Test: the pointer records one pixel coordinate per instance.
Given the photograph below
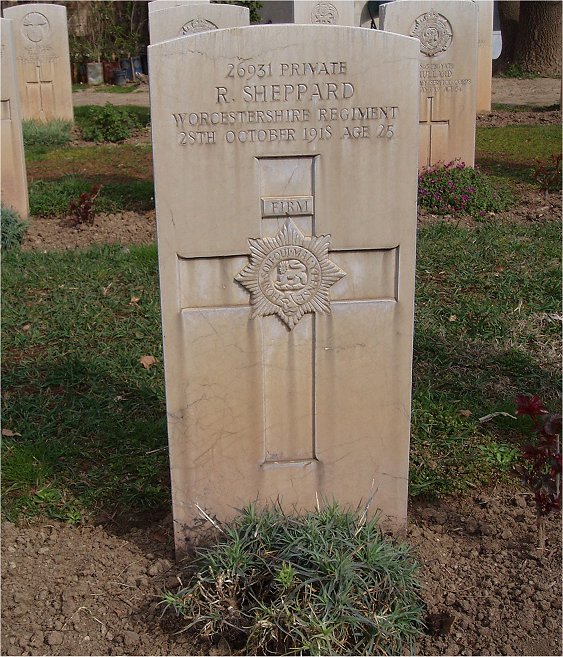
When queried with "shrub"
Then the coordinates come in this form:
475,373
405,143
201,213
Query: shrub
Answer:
83,209
108,123
542,469
51,134
13,228
321,583
547,174
455,189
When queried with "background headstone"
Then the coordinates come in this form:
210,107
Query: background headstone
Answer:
484,55
157,5
13,175
43,61
189,19
447,30
323,12
285,187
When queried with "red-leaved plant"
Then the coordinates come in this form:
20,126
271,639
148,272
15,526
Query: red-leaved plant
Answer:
83,208
542,468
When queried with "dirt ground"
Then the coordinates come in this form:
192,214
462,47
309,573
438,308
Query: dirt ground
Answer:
88,591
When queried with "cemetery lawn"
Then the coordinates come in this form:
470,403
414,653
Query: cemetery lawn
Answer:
84,429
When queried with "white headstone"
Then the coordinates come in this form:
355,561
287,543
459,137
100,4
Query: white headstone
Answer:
447,30
285,186
13,175
158,5
186,20
43,61
485,55
321,12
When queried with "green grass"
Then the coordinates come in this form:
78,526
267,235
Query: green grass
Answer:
52,197
327,582
486,330
91,418
510,153
108,88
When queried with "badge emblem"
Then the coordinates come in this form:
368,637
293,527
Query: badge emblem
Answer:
324,13
289,275
197,25
434,32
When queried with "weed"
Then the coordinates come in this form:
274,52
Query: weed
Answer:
52,134
548,174
321,583
108,123
542,471
455,189
83,209
516,71
140,114
13,228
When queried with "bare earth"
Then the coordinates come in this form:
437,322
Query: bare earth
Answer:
94,590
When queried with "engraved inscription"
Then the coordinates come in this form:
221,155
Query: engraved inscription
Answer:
35,27
280,207
434,32
324,13
289,275
197,25
282,91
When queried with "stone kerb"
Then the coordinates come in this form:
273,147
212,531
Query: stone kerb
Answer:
185,20
43,61
285,187
447,31
13,174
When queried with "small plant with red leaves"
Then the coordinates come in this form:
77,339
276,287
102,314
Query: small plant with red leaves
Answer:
547,173
83,209
542,468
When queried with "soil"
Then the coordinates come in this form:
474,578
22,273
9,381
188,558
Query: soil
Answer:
95,590
90,591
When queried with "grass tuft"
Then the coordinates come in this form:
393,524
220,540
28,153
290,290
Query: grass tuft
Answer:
321,583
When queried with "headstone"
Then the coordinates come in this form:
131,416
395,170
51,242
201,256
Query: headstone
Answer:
157,5
484,55
43,61
285,188
321,12
13,175
185,20
447,31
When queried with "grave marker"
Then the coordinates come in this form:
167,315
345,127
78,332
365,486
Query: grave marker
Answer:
158,5
185,20
335,12
43,62
447,30
13,178
286,244
484,55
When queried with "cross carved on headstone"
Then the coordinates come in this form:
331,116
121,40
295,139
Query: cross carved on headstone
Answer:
433,135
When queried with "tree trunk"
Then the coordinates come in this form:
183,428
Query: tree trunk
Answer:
539,37
509,12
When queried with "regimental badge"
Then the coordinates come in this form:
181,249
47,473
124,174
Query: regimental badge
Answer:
434,32
325,13
289,275
35,27
197,25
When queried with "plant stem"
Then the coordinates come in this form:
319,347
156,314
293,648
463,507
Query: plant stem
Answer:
541,532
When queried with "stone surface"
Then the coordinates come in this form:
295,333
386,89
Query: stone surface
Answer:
185,20
286,247
43,61
447,30
335,12
13,176
157,5
484,55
